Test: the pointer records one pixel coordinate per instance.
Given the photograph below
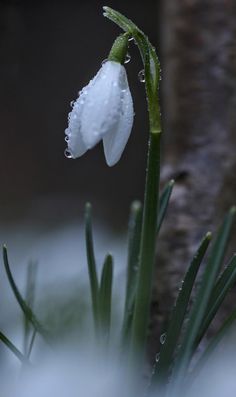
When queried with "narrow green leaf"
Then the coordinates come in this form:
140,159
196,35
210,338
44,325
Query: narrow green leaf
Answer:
91,262
29,299
105,295
178,314
215,340
221,288
13,349
164,201
23,305
134,236
33,336
201,303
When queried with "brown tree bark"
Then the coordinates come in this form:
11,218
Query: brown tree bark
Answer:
198,41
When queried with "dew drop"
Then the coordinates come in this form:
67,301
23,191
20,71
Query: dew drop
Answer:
104,61
127,58
162,338
141,76
67,138
68,154
157,358
72,103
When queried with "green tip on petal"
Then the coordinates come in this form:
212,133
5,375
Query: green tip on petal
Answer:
119,49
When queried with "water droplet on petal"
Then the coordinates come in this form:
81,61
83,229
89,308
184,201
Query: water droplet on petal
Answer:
141,76
67,138
72,103
68,154
104,61
162,338
127,58
157,358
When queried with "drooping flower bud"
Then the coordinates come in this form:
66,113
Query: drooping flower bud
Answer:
103,110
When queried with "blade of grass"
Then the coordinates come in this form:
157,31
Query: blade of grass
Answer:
91,262
222,287
23,305
134,236
216,339
164,201
29,299
105,295
31,343
13,349
176,321
201,303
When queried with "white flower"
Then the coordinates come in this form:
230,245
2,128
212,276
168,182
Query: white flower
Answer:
103,111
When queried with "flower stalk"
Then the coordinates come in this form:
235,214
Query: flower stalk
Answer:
151,196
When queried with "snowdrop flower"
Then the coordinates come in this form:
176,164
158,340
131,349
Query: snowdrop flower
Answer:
103,110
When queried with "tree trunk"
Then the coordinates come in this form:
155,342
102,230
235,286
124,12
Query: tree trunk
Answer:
198,99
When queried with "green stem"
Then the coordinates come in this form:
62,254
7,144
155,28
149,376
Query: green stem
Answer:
148,243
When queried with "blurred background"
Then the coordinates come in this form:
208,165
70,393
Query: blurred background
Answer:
49,51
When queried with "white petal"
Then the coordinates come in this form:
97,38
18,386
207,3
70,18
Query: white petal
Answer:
115,140
104,109
102,103
75,142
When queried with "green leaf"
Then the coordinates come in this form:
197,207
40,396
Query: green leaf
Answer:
164,201
29,299
23,305
221,288
134,236
13,349
200,305
105,295
215,340
91,262
31,343
178,314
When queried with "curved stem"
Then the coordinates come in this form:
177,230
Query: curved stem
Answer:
151,198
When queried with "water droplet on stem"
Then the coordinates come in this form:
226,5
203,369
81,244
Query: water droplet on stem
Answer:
141,76
127,58
162,338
